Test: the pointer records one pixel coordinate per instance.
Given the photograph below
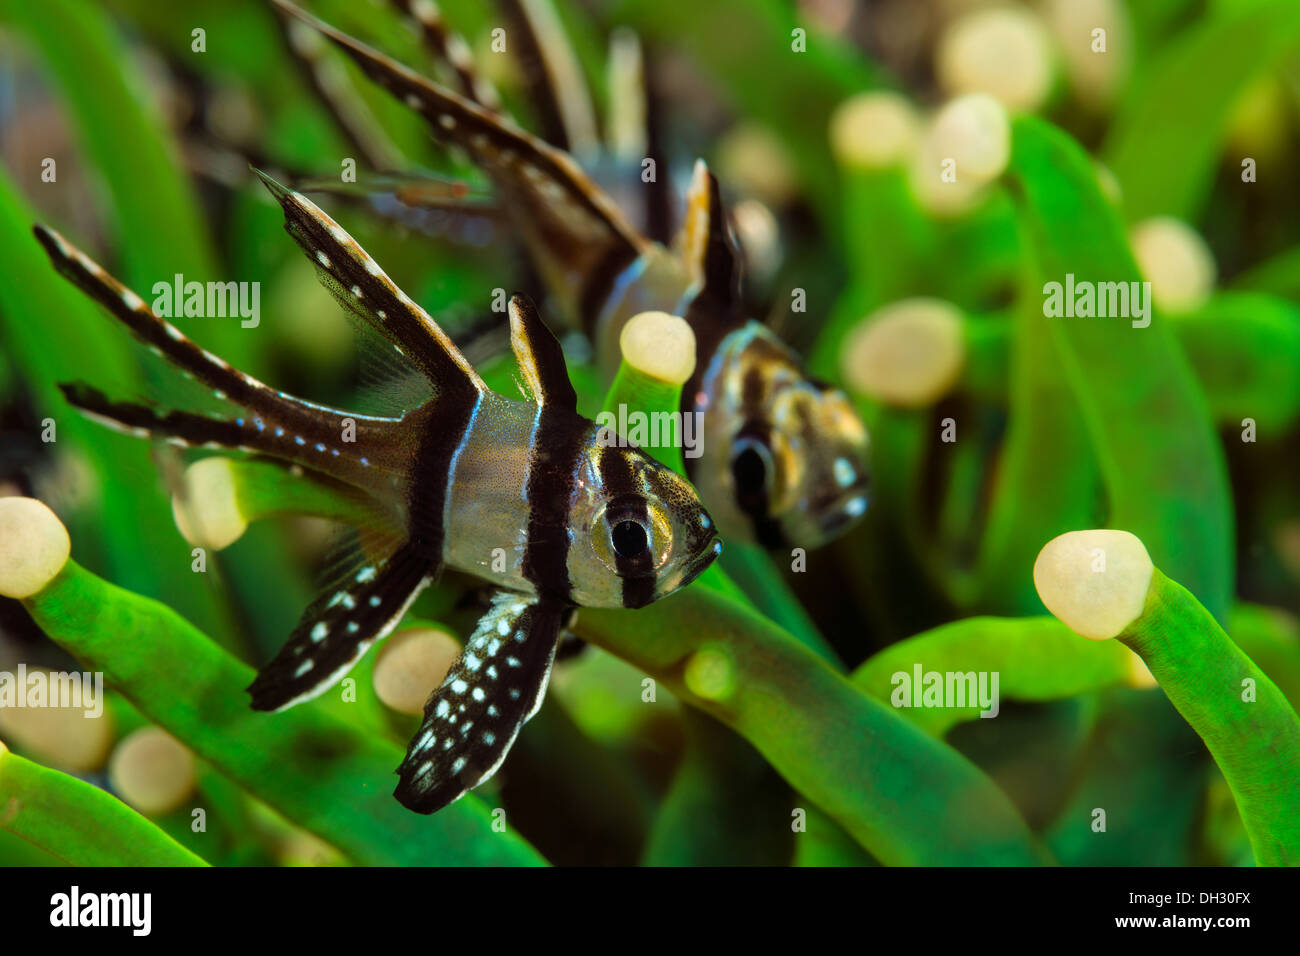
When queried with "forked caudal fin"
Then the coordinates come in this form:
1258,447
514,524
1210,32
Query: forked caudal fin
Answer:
266,422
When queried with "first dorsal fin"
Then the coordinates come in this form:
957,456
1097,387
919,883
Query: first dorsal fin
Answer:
540,357
711,254
360,286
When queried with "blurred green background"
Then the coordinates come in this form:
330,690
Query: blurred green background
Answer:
1127,163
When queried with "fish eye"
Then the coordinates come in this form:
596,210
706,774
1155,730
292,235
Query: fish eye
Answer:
630,539
632,534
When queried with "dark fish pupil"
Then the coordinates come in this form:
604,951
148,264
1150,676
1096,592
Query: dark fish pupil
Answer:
749,472
629,539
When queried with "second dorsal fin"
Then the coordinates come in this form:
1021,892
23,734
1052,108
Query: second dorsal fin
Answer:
540,357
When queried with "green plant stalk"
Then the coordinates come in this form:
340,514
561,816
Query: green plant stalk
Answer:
726,806
984,373
157,216
645,394
1036,659
978,255
1161,463
906,797
1245,350
1255,743
959,523
316,769
824,843
1141,759
1279,276
1270,638
1046,446
79,823
264,490
889,246
755,572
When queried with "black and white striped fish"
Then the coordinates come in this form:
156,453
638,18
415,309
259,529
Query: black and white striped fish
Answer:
526,495
784,457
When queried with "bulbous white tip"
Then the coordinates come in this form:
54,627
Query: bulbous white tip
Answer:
64,737
34,546
1004,52
152,771
205,508
874,130
759,235
1095,582
1176,261
756,161
660,345
908,353
411,665
966,145
975,131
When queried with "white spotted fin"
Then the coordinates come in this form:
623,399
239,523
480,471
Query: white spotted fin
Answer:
491,691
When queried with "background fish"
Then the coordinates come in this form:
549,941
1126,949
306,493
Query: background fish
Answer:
525,495
785,456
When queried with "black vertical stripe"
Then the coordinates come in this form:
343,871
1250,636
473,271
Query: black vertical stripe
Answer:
558,440
442,425
628,503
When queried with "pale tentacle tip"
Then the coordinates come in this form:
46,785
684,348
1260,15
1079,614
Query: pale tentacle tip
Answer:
710,673
152,771
206,507
1095,582
660,345
909,353
34,546
874,130
411,665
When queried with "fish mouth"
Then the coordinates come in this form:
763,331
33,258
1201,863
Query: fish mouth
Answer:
700,563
